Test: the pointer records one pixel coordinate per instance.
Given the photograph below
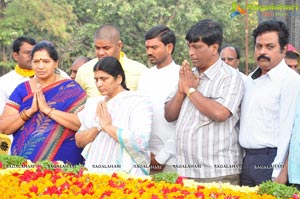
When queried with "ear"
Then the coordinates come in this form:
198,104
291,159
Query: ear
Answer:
120,44
15,56
56,64
170,47
284,50
215,48
119,79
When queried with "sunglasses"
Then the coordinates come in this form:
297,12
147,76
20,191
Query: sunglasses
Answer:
228,58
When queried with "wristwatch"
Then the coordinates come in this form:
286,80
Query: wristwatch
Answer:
190,91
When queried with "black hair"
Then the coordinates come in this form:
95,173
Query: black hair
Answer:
165,34
273,25
48,46
112,66
291,55
207,31
237,51
19,42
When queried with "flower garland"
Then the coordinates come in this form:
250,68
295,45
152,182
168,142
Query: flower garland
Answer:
21,179
45,183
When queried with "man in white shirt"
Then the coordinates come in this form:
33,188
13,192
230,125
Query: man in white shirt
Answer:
268,107
21,47
157,83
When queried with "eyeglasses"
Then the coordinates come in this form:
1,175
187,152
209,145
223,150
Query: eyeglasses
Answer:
228,58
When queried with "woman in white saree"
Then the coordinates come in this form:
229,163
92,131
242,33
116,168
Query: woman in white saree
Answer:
115,127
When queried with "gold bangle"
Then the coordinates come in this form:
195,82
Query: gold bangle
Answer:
24,116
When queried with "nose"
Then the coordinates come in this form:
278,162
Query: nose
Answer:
72,75
99,83
191,52
100,52
40,64
148,51
263,51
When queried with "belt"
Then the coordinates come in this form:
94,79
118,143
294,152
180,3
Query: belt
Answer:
261,151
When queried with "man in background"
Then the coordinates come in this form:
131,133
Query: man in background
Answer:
231,56
21,47
107,42
78,62
157,83
292,57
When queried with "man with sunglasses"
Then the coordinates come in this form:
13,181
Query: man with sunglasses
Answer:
231,56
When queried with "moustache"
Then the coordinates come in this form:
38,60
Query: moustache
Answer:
263,57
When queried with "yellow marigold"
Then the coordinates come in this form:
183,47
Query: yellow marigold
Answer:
58,184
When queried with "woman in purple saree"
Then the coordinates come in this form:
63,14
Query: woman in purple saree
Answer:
41,113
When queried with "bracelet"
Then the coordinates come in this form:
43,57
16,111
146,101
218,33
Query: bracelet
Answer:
24,116
49,113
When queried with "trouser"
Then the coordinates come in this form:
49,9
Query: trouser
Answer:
257,166
294,185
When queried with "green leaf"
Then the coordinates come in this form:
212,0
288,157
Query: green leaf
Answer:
167,177
277,190
11,161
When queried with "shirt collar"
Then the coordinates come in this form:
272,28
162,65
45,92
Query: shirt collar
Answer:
122,57
211,72
165,67
24,72
274,74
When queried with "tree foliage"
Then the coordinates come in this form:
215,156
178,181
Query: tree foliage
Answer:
71,24
42,20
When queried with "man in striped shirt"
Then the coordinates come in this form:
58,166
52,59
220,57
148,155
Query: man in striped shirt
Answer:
206,106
